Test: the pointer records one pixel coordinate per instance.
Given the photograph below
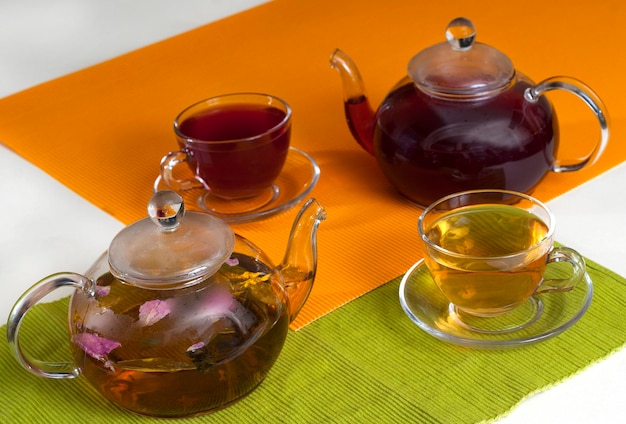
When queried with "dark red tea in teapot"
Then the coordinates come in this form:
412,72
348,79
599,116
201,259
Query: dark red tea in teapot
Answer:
502,142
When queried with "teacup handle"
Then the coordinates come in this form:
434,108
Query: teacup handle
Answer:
169,162
32,296
592,100
575,260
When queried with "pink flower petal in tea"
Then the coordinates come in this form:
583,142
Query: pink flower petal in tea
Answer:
153,311
195,346
219,303
222,304
95,346
102,291
232,261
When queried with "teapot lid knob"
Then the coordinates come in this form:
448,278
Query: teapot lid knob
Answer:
166,209
461,33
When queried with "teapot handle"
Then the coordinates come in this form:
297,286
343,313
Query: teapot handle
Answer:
592,100
32,296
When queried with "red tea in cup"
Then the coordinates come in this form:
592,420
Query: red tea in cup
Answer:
236,145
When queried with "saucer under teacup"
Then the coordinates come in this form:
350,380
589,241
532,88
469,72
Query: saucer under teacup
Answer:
296,180
228,207
539,318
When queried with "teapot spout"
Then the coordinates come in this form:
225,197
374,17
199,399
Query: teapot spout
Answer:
359,113
299,265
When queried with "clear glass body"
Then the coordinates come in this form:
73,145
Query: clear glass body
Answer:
180,352
177,348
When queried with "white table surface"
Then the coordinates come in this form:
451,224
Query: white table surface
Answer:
47,228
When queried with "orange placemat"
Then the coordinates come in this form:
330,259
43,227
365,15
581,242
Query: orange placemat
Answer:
103,130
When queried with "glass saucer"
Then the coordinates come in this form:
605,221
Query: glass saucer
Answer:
552,314
298,177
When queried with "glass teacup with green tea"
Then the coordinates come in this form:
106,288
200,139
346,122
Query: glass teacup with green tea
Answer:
488,250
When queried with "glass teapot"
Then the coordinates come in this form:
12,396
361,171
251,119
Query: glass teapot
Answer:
463,118
180,316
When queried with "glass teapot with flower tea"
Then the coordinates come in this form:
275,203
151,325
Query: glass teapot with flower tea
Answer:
463,118
180,316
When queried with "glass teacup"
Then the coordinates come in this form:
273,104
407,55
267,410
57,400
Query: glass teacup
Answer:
488,251
235,146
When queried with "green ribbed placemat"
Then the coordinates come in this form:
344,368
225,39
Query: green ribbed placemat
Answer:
365,362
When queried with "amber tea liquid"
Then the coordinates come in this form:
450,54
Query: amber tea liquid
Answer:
196,359
483,273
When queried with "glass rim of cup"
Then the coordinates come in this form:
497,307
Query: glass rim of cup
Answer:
547,238
189,139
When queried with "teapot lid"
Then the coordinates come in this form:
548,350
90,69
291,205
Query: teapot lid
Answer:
166,251
461,68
